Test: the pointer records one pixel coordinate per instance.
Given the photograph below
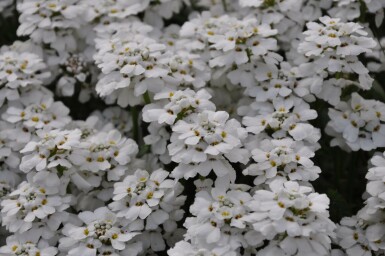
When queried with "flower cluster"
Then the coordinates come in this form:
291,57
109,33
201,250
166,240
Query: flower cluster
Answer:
100,234
154,127
19,70
335,46
218,221
363,234
359,124
292,210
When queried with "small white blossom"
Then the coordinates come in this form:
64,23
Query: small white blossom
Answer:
31,202
130,62
19,70
335,46
101,229
219,216
27,243
45,21
206,137
359,122
39,111
52,150
104,151
293,210
283,159
282,118
139,196
176,105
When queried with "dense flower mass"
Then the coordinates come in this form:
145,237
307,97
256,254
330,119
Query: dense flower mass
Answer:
192,127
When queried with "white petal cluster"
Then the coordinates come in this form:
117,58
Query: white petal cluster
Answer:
19,70
283,118
122,9
135,62
101,232
120,119
176,105
205,142
333,38
145,202
34,204
231,43
282,159
27,244
140,195
334,47
358,124
185,248
38,111
218,223
8,182
294,211
52,150
350,9
104,151
75,70
188,69
177,127
364,234
41,19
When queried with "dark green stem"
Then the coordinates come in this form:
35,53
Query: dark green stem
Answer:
363,11
144,150
224,5
146,98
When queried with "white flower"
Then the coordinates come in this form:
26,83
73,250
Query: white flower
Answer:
44,21
282,118
360,122
104,151
253,3
32,203
352,237
74,70
232,42
267,82
27,243
135,62
283,159
158,139
101,228
123,9
166,8
120,118
188,69
208,133
52,150
335,46
292,209
8,150
376,177
116,9
139,195
316,244
177,105
19,70
219,216
8,182
207,137
39,111
188,249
